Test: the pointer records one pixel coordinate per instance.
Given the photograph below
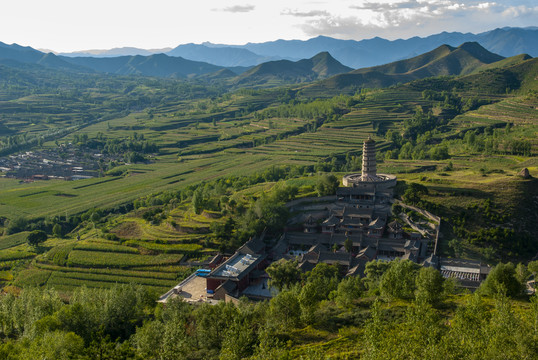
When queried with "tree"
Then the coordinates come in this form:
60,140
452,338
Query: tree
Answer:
283,274
212,322
439,152
374,331
374,270
176,342
456,246
414,192
466,335
533,267
147,339
285,310
522,273
327,185
322,272
36,237
77,318
320,282
16,225
55,345
429,285
348,245
502,279
399,280
239,341
198,200
57,230
348,290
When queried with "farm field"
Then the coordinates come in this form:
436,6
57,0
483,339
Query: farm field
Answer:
204,159
94,263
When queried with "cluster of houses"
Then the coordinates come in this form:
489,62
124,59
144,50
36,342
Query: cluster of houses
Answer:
347,230
64,162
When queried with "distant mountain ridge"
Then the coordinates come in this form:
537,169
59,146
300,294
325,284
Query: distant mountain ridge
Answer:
356,54
282,71
376,51
222,56
154,65
123,51
28,55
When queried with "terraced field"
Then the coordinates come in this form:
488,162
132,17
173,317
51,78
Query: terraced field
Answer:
233,146
228,142
146,254
310,147
95,263
521,113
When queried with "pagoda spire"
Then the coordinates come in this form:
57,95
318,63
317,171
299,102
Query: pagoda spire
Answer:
368,159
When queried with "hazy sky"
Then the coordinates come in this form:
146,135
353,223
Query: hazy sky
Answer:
67,25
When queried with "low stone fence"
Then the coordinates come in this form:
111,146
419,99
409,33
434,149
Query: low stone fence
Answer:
315,202
430,216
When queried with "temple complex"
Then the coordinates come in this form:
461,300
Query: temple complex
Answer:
347,230
354,228
365,200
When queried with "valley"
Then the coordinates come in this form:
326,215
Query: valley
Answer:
126,174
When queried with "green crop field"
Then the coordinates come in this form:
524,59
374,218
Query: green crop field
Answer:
199,150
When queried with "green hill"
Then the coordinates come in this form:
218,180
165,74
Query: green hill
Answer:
217,75
155,65
520,76
287,72
444,60
510,61
496,78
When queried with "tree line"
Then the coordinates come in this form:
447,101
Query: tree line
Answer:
397,311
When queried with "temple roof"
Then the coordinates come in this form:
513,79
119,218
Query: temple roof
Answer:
395,227
331,221
378,223
368,253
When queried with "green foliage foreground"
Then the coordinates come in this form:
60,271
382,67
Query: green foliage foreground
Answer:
319,317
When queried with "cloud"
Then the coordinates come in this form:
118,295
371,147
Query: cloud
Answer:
298,13
377,6
237,9
419,17
335,26
520,11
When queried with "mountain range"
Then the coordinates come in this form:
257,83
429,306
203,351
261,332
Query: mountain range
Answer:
322,67
123,51
160,65
356,54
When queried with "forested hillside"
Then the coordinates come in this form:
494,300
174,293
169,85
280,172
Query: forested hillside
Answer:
396,312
